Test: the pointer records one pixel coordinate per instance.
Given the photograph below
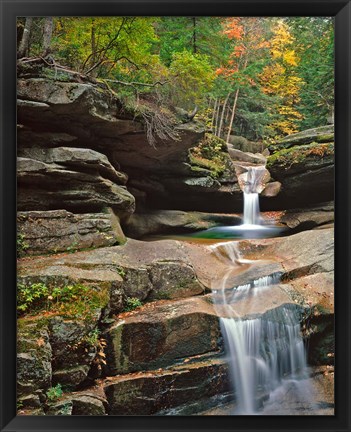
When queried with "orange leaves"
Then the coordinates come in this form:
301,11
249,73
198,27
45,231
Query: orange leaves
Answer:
248,43
239,50
234,28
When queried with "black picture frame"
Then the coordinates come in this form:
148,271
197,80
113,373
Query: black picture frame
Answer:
9,10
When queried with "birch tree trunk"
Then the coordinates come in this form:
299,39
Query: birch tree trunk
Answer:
48,27
214,116
222,116
217,117
24,44
233,114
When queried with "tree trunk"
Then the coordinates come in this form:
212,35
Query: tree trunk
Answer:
233,114
227,114
222,116
194,35
214,116
217,117
23,49
48,27
93,42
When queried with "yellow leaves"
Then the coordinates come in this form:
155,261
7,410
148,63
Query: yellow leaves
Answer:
280,78
290,58
281,37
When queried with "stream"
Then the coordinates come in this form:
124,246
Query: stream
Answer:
266,352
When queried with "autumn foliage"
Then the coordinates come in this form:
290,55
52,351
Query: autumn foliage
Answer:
256,77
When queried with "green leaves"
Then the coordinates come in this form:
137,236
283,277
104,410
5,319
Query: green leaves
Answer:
69,300
54,393
192,78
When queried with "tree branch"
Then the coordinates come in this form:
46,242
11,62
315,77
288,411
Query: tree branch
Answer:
133,83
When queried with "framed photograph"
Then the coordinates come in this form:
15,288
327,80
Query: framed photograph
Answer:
175,215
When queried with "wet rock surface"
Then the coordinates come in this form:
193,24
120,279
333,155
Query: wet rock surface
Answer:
173,221
148,393
321,384
162,344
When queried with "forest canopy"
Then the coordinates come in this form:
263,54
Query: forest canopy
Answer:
257,77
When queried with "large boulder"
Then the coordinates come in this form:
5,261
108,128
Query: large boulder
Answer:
244,145
322,134
71,179
69,107
44,232
312,217
238,155
147,271
175,221
161,334
306,174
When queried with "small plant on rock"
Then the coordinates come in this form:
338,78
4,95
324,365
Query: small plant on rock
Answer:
31,297
121,272
22,246
54,393
92,338
131,304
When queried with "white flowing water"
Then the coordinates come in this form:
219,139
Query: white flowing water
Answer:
266,352
251,209
254,183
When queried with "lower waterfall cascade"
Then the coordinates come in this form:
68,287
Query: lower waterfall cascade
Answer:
266,353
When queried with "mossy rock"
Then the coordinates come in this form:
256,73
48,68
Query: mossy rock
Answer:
285,158
211,156
34,356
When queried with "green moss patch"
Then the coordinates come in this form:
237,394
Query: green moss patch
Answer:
210,155
76,300
287,157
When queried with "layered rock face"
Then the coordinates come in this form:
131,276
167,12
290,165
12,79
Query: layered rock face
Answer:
133,329
96,132
79,150
169,352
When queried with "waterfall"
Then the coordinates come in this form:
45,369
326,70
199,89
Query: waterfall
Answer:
266,351
254,181
251,209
